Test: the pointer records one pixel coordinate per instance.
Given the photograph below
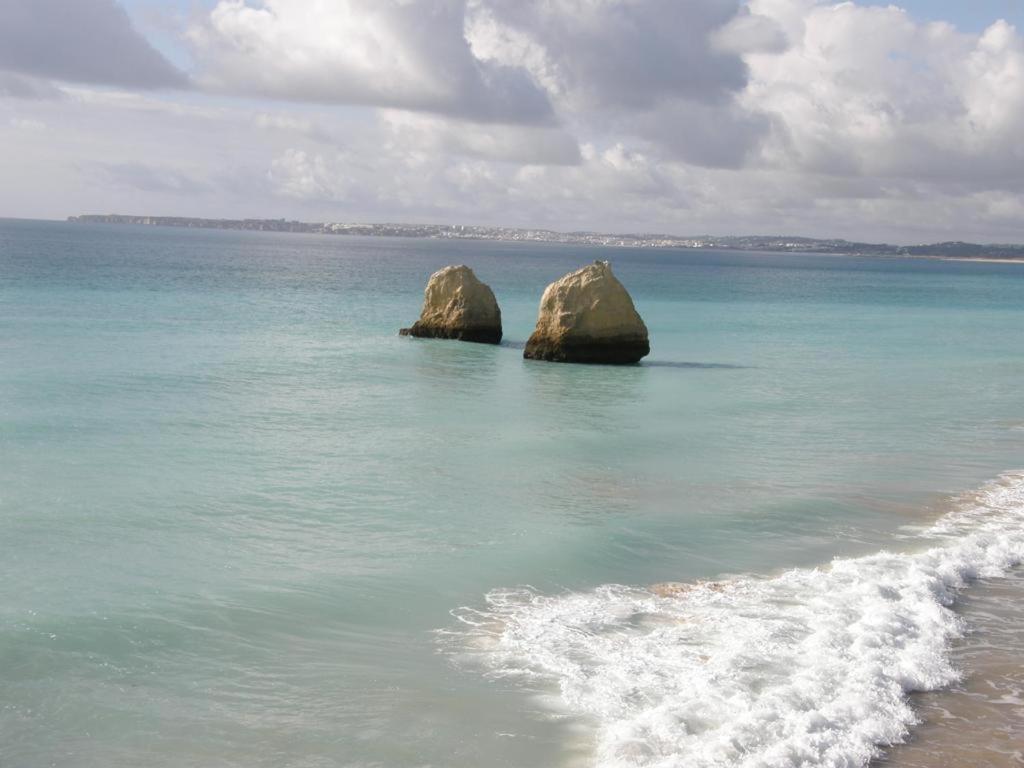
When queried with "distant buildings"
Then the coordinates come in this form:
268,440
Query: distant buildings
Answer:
470,232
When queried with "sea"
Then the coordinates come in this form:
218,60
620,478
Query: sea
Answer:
244,524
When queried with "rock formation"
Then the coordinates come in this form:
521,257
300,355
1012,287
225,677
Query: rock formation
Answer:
456,305
588,317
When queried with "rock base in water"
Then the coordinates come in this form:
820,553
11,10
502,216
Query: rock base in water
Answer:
478,335
607,351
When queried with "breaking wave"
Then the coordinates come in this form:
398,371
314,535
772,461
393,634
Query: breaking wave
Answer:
808,668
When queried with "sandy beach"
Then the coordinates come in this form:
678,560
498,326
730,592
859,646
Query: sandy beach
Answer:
965,258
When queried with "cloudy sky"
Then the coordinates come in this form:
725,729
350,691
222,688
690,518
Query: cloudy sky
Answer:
862,120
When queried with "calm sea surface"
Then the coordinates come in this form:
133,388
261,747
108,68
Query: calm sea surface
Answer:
243,523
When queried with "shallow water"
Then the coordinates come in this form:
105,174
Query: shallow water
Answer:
238,511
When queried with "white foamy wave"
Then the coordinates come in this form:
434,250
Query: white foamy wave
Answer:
809,668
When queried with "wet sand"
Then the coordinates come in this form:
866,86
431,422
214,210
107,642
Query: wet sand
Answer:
979,723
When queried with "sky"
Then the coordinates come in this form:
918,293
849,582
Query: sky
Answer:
865,120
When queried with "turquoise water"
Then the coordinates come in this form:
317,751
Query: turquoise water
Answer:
243,521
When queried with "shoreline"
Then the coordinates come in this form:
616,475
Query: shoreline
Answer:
983,259
976,722
887,631
786,244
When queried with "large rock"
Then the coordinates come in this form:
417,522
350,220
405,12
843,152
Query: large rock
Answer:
588,317
458,306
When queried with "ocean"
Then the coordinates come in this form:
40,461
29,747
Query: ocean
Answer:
244,523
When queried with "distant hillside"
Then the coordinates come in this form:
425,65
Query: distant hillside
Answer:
950,250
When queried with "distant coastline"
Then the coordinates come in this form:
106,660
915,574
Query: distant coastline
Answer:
954,251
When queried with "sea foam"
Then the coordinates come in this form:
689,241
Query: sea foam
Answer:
808,668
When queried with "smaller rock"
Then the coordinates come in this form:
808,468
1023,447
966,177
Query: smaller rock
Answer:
456,305
588,317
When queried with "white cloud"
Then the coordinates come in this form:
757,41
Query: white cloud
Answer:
619,184
749,32
409,54
867,91
618,53
308,176
292,125
27,124
545,145
660,72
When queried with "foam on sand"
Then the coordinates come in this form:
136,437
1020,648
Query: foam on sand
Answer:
809,668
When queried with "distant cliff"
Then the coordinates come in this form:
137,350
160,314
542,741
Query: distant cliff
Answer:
949,250
259,225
